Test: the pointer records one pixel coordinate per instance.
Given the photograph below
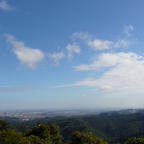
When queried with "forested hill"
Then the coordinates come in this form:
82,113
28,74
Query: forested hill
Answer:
112,127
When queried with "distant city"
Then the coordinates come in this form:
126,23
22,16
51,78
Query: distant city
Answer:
26,115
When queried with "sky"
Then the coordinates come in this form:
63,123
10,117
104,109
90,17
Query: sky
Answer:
66,54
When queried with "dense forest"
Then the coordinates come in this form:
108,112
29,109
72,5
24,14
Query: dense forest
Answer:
103,128
50,134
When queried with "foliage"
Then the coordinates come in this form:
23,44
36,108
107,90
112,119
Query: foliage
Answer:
4,125
40,134
50,133
86,138
135,140
9,137
112,127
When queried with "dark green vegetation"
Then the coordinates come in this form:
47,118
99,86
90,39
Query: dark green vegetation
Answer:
44,134
113,128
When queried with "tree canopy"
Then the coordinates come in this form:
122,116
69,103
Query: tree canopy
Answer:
86,138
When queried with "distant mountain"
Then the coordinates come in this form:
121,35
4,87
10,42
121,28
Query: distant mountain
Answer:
124,111
113,126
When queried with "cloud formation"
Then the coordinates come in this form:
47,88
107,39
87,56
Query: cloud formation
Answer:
107,60
5,6
56,57
100,44
72,49
123,71
104,44
26,55
128,29
122,43
80,35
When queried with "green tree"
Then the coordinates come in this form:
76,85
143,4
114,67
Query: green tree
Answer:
4,125
47,133
86,138
12,137
9,137
40,134
135,140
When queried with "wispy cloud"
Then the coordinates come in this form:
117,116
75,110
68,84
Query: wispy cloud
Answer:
128,29
80,35
26,55
72,49
11,90
100,44
57,56
5,6
122,43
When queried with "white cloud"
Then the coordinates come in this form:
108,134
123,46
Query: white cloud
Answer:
4,5
128,29
56,57
122,43
107,44
26,55
107,60
72,49
100,44
125,73
82,36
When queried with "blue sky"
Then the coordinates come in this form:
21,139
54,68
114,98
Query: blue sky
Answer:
71,54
